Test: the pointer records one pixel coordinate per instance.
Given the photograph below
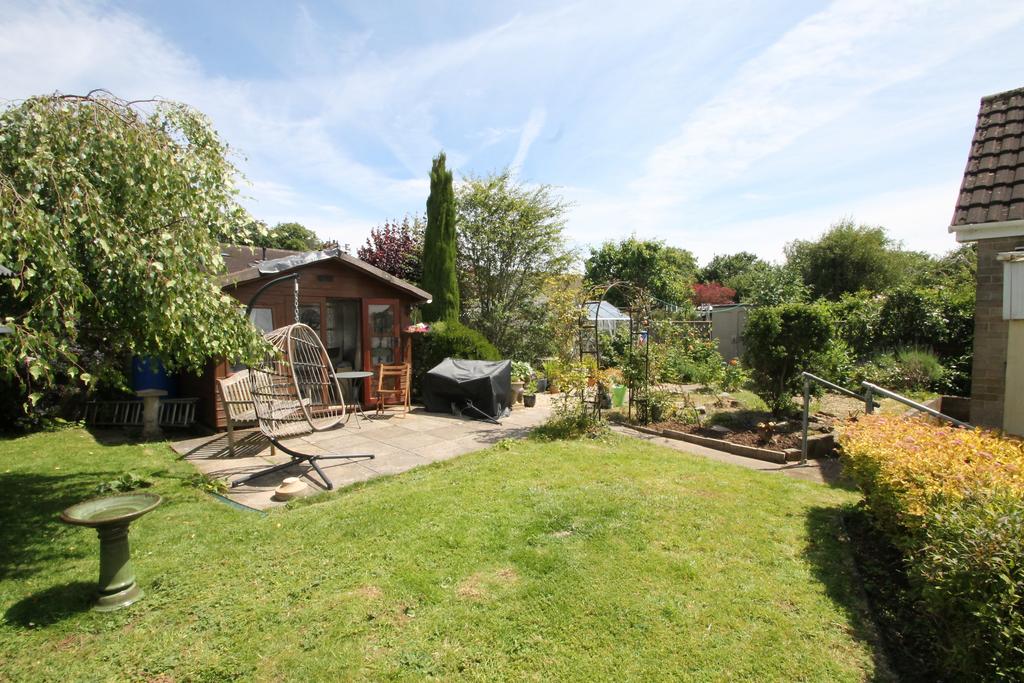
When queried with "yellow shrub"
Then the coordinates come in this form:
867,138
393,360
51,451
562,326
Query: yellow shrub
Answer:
903,464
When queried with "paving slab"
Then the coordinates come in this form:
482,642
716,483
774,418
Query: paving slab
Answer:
397,443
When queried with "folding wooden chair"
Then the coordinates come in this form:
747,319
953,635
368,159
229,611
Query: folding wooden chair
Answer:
393,387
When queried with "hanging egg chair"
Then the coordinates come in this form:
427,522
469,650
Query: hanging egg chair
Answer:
296,387
295,392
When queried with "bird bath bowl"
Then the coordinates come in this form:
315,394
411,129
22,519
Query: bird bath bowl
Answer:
111,517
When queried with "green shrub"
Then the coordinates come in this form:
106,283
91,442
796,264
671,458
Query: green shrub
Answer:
952,500
970,571
940,319
905,370
684,356
448,340
856,322
521,371
657,406
920,368
571,425
128,481
734,376
835,363
571,417
781,342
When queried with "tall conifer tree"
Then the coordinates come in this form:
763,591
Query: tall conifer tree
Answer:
440,277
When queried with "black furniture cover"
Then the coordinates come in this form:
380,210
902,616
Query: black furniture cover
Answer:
484,383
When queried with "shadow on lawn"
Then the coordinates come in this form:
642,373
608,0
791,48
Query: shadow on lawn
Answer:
30,506
52,605
830,553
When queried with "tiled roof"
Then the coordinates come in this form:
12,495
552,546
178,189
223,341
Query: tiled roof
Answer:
993,187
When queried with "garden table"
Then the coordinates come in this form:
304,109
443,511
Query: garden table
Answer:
353,375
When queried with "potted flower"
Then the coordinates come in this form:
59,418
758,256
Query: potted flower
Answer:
530,394
553,370
521,374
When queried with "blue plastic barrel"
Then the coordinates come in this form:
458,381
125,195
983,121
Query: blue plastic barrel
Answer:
149,373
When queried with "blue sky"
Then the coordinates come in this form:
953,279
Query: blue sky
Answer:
714,126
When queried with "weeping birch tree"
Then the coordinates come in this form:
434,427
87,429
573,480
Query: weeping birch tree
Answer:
111,216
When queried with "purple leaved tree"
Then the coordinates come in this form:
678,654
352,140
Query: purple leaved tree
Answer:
396,248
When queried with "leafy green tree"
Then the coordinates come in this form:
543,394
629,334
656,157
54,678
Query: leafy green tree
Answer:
956,269
845,259
667,273
111,213
511,240
724,268
440,246
782,342
294,236
767,284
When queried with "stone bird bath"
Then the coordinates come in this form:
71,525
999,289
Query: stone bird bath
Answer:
111,516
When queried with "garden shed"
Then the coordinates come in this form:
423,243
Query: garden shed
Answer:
990,212
727,324
359,311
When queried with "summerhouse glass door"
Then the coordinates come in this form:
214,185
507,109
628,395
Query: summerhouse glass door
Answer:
382,334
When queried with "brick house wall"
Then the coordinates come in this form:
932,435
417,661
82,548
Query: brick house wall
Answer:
988,372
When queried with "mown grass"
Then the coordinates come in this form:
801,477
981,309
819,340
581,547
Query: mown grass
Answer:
611,559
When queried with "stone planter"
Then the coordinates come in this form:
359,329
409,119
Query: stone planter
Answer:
517,391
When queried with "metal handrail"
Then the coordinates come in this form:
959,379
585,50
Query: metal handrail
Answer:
808,378
830,385
875,389
869,404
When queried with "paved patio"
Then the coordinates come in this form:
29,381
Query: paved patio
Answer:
397,443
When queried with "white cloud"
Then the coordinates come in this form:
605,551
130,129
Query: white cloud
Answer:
78,47
531,129
820,70
350,121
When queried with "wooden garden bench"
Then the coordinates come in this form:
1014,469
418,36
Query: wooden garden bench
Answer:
236,397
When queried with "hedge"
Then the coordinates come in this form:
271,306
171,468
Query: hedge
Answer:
952,500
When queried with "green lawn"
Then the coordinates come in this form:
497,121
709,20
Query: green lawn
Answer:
570,560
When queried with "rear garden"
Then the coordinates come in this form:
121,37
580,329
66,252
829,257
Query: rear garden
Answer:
531,559
569,553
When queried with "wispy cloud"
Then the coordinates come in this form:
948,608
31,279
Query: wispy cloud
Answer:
823,68
531,129
683,121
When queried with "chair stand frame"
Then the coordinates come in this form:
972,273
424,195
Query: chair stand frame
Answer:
297,457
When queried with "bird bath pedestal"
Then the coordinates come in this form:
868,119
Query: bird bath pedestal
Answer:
151,412
111,517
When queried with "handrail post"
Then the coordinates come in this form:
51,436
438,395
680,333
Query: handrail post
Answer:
806,419
869,401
